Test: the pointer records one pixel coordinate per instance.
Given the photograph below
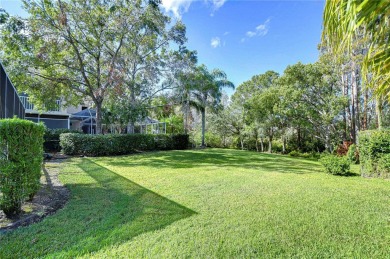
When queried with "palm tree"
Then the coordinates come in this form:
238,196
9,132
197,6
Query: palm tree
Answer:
344,20
205,90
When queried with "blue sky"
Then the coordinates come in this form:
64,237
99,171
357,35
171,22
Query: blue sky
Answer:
244,38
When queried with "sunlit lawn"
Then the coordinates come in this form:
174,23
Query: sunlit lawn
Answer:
209,204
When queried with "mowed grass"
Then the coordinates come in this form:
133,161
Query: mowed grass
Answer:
210,203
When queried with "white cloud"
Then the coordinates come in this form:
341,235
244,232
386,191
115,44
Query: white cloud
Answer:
217,4
178,7
260,30
215,42
250,34
226,33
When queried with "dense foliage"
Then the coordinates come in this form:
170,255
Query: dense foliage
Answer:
52,139
100,50
374,153
21,145
119,144
335,165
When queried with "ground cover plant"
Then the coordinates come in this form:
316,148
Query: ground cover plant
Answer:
210,203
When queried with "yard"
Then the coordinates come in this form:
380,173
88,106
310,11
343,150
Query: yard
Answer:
210,203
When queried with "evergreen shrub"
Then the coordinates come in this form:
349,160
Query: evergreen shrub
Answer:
21,143
335,165
52,139
119,144
374,147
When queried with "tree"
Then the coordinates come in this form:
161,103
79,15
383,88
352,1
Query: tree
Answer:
344,20
313,100
79,49
206,90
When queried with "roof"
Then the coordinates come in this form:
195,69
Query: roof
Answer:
81,115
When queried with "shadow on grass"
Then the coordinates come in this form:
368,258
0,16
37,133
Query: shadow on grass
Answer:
107,212
220,158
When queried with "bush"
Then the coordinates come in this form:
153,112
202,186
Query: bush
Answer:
119,144
374,146
52,139
352,154
21,143
180,141
335,165
312,154
384,165
294,153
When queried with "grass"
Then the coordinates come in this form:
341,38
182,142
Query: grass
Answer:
209,204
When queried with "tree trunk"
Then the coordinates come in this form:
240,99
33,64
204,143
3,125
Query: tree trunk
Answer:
365,111
203,112
261,144
357,97
353,104
257,145
378,110
284,145
270,136
327,140
345,93
98,116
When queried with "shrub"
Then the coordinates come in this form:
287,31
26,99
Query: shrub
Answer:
313,155
374,145
119,144
352,154
294,153
52,139
180,141
384,165
21,143
335,165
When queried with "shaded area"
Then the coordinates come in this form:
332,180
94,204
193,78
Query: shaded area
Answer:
220,158
106,210
51,197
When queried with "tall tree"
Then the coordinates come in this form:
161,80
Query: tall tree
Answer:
206,90
84,49
344,20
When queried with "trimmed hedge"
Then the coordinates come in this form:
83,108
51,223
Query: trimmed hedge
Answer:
21,143
119,144
336,165
52,139
374,150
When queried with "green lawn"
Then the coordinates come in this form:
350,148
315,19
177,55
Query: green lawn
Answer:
209,204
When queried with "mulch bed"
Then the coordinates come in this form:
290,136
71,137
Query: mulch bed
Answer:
52,196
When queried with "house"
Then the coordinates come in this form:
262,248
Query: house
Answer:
61,117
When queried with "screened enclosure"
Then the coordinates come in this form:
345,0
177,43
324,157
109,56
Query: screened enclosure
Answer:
10,104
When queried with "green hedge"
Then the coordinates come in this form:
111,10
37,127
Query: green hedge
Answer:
52,139
21,143
374,150
119,144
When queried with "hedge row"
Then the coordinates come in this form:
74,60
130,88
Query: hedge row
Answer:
119,144
52,139
21,143
374,153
